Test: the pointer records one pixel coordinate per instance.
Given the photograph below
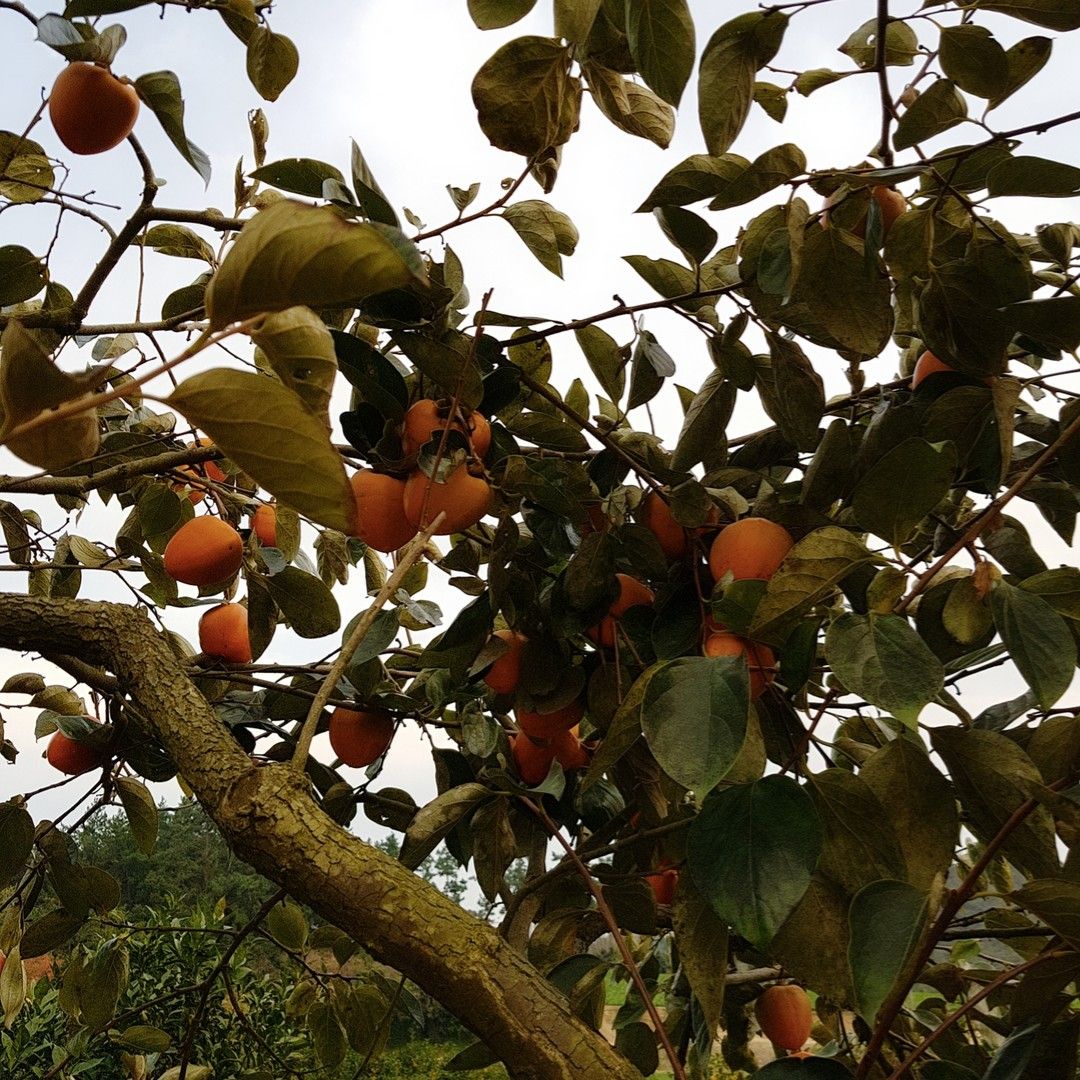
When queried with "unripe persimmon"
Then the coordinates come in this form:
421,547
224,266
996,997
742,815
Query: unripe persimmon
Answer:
464,498
380,515
264,525
204,551
359,738
504,674
427,416
71,757
785,1017
548,725
223,633
569,751
531,759
663,885
632,593
91,109
760,659
752,548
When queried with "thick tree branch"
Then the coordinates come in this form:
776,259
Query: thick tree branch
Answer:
268,817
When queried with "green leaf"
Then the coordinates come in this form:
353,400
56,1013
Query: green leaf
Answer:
25,172
974,60
369,195
705,422
921,807
434,822
178,241
548,431
31,383
812,1068
12,987
1053,14
752,850
16,840
694,718
767,171
1024,60
993,778
145,1038
1054,321
300,351
1056,903
526,99
1034,176
700,176
631,107
692,235
574,18
792,392
449,362
301,176
272,62
494,14
901,44
494,846
882,659
545,231
605,360
902,487
160,91
306,601
141,811
268,431
327,1034
887,919
702,940
660,35
22,274
809,573
291,254
935,110
288,925
726,73
1038,640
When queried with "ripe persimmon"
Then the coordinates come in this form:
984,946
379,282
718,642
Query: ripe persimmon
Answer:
464,498
91,109
504,674
656,516
928,364
891,204
71,757
531,758
785,1017
632,593
380,514
204,551
264,525
569,750
760,659
223,633
663,884
549,724
753,547
428,416
360,737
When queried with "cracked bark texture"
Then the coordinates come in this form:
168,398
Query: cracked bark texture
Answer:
269,819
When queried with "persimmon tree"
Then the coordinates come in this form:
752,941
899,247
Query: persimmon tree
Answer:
805,799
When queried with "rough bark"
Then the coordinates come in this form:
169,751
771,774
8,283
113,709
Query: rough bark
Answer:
269,819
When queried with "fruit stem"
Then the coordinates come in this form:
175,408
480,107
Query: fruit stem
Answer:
409,557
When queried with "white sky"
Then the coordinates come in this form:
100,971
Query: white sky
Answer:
395,76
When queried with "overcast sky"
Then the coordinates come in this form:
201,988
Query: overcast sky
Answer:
395,76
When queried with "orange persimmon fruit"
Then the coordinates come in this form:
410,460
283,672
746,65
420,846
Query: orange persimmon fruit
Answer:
760,659
71,757
464,498
549,724
360,737
91,109
752,548
264,525
784,1015
427,416
223,633
380,516
632,593
204,551
505,672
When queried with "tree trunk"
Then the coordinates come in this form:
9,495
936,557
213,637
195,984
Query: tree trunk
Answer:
269,819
